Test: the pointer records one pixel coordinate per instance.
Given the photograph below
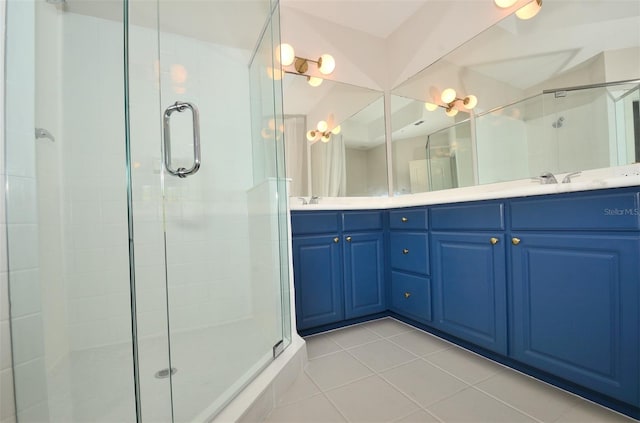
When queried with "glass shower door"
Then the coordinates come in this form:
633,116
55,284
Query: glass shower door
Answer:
206,212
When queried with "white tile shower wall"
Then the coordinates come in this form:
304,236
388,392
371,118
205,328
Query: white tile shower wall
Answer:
207,223
95,252
22,226
49,190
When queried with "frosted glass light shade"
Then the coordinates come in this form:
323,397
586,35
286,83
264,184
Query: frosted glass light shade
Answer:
470,102
326,64
530,10
336,130
286,54
322,126
311,135
430,106
504,3
314,81
326,137
448,95
451,112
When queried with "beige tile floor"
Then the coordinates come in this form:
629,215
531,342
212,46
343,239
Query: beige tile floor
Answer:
386,371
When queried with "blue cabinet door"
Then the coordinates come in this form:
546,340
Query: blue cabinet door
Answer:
364,274
317,269
469,287
575,309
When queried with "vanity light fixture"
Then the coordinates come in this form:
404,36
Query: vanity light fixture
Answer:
449,97
530,10
527,11
322,132
326,64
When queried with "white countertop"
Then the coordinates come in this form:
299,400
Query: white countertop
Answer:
616,177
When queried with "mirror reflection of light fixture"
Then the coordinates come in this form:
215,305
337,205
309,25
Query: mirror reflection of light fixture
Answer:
530,10
503,4
449,97
270,131
322,132
286,55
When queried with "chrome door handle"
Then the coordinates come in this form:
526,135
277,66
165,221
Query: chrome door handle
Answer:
181,107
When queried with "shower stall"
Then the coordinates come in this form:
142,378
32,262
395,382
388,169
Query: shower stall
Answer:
146,224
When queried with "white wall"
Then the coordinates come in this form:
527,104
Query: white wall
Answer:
22,224
405,151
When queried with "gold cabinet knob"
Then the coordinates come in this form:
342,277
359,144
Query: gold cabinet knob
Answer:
407,294
348,239
336,240
404,219
494,240
515,241
405,251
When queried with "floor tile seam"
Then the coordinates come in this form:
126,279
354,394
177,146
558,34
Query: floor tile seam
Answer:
453,375
342,385
419,409
386,369
408,350
297,401
509,405
325,355
313,382
579,403
425,407
335,406
408,397
360,345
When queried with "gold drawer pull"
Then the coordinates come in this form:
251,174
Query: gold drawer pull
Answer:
336,240
405,219
348,239
405,251
407,294
494,241
515,241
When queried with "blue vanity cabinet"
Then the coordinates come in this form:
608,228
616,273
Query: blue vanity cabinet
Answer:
364,288
338,266
575,294
317,268
410,290
469,273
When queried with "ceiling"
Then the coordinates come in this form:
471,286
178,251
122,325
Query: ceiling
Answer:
379,18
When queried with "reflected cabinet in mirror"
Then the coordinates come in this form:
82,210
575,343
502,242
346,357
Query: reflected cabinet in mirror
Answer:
335,139
557,93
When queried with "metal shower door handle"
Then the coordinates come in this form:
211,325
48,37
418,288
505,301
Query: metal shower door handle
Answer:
180,107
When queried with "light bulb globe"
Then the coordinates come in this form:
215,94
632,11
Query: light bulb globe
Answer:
326,64
470,102
314,81
430,106
322,126
530,10
451,112
336,130
503,4
286,54
311,135
448,95
326,137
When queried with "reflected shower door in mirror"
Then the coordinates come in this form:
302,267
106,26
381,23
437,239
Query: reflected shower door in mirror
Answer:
335,139
519,132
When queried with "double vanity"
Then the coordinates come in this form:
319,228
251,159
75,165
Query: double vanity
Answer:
541,278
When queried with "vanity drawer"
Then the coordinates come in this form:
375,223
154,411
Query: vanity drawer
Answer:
408,219
481,217
410,251
313,222
411,296
362,220
617,211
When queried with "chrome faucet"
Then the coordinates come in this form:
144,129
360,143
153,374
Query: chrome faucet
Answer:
314,200
546,178
304,201
567,178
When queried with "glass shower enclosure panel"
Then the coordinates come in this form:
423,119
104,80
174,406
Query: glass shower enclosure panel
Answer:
209,292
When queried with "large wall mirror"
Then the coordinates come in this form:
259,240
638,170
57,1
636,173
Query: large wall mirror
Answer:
558,92
346,155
